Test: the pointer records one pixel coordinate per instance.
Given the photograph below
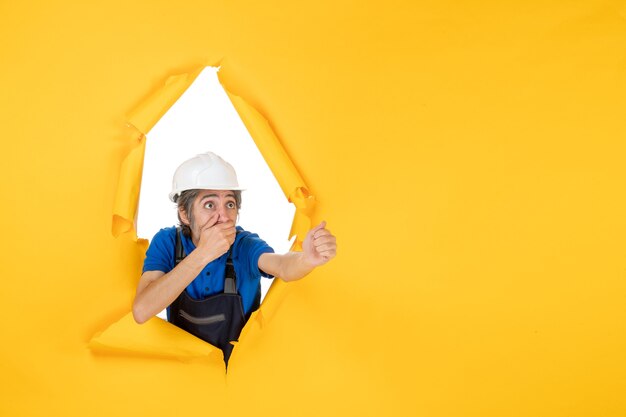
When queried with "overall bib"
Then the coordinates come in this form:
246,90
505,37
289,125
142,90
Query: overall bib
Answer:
217,319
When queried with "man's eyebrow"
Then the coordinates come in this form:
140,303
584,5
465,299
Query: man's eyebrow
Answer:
215,195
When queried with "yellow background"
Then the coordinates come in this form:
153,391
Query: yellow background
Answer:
468,155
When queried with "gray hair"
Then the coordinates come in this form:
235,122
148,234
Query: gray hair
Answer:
185,201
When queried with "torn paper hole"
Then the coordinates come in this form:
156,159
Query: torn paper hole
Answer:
283,169
204,119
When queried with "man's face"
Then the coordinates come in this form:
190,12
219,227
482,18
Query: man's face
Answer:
209,203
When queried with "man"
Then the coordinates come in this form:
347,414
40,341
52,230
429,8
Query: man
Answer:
207,272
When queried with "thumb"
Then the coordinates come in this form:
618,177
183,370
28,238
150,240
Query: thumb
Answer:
319,227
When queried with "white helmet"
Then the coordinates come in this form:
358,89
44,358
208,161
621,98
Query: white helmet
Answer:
206,171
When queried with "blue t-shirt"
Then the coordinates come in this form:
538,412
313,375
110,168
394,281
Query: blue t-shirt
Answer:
247,249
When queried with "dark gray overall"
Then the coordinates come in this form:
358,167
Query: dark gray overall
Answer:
217,319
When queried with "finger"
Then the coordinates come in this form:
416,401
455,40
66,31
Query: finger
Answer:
324,239
225,225
321,232
326,244
325,249
328,257
230,233
328,254
319,227
228,228
210,222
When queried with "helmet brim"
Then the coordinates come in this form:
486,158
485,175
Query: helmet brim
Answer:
173,194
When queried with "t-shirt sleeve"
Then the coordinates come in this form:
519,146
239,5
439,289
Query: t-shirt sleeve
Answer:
254,247
160,253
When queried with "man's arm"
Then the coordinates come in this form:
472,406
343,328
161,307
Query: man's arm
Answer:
157,289
319,247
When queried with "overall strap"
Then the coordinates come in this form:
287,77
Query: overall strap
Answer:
179,251
230,278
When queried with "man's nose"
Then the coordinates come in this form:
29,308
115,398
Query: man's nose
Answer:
222,215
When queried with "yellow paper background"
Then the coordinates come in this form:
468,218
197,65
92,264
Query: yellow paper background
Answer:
469,157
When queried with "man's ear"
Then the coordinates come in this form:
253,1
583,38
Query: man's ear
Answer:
183,216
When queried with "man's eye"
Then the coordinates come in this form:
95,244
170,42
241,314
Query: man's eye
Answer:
230,205
209,205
